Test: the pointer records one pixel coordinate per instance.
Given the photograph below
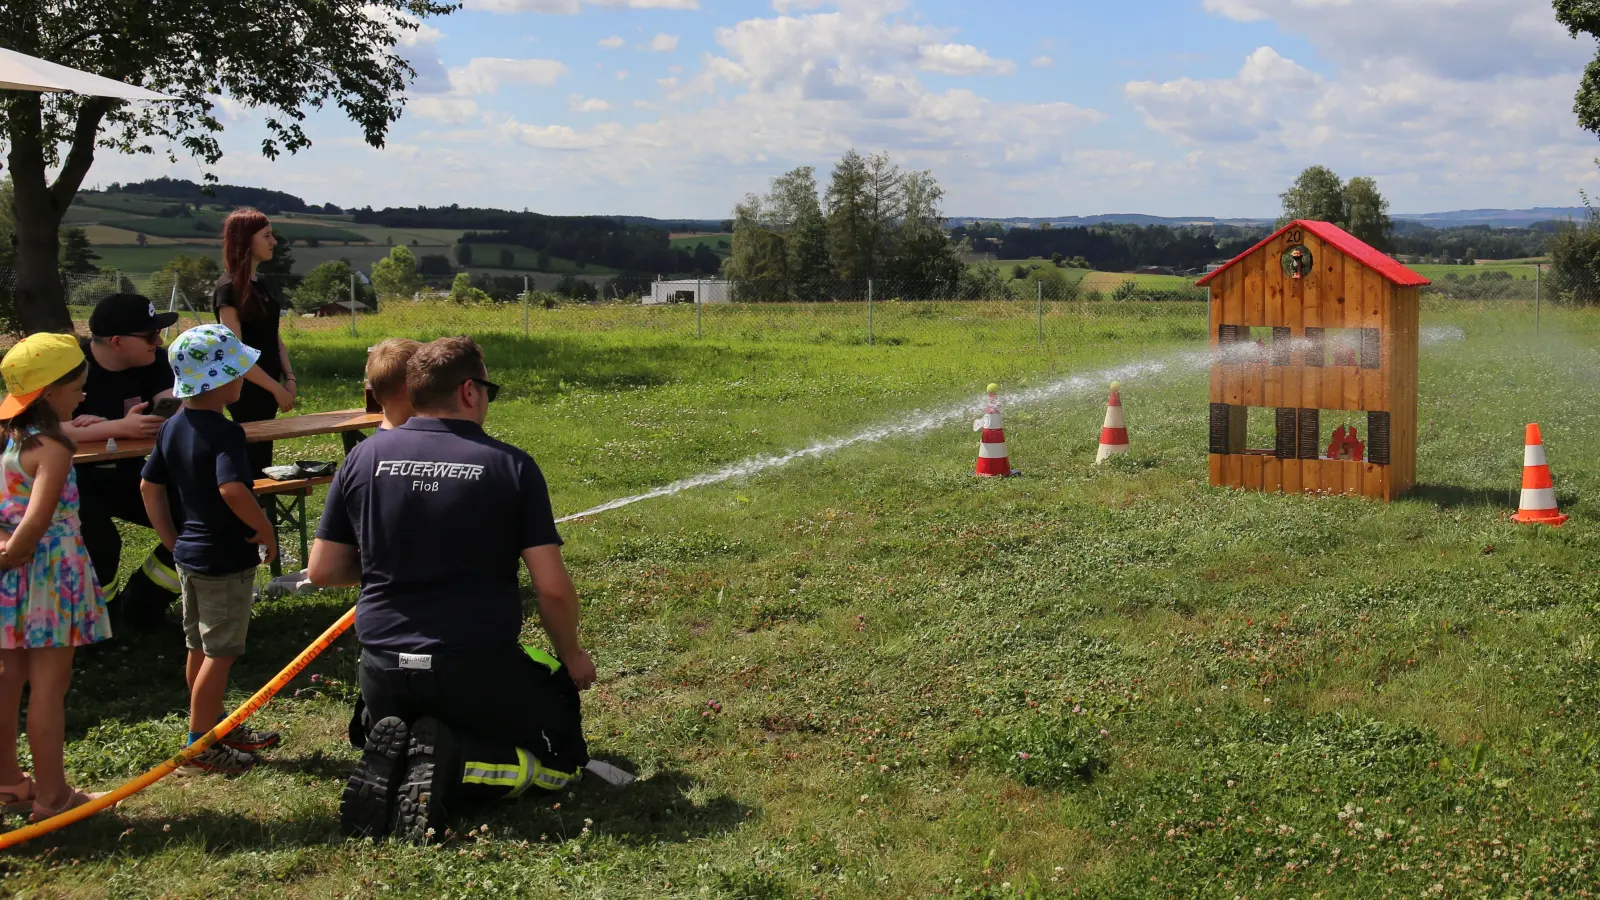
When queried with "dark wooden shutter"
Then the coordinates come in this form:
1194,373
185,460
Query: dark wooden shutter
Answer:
1316,347
1310,434
1288,433
1371,348
1282,346
1219,427
1378,438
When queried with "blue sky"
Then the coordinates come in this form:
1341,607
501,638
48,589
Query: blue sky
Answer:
1019,107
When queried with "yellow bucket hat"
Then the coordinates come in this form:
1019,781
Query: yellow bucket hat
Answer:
36,362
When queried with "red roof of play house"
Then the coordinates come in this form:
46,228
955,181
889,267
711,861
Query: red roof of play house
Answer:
1345,243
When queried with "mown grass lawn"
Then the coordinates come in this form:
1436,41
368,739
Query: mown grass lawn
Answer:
1095,682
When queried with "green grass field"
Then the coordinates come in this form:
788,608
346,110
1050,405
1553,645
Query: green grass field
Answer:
1108,682
1518,270
487,256
720,244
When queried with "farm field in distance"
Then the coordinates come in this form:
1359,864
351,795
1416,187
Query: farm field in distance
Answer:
720,243
1108,682
113,221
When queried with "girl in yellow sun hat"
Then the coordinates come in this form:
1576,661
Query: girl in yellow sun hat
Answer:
50,602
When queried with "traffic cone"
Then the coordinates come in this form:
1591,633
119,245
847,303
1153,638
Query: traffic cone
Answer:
993,458
1538,505
1114,435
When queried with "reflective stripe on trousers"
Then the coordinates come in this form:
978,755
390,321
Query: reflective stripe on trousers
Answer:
160,574
515,779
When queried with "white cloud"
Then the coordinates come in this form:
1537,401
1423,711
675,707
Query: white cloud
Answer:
962,59
446,109
571,7
1042,62
612,43
580,104
801,90
622,74
1464,39
550,7
485,74
1227,109
664,43
415,42
1423,133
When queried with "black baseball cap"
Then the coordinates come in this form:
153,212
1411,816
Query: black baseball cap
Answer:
122,314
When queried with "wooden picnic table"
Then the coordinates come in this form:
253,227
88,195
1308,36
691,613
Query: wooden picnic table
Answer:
285,501
286,428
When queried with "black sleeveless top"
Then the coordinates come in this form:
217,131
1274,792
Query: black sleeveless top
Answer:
261,330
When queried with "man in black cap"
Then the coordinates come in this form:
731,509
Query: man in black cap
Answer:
128,373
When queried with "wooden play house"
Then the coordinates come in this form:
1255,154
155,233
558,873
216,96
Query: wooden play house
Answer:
1321,329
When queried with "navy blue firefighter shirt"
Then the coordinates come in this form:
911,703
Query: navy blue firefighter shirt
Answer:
441,513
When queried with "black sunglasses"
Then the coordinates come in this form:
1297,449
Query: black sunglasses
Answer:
488,386
153,338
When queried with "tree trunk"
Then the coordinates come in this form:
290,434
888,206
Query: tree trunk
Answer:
40,298
41,302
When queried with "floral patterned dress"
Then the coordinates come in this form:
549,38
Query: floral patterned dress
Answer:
54,599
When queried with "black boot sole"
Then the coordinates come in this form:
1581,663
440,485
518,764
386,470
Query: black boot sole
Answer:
421,804
367,807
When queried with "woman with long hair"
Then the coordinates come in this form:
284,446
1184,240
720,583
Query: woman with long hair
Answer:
249,306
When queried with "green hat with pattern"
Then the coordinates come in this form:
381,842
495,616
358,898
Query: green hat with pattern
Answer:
206,358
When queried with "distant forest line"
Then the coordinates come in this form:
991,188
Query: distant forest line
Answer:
640,244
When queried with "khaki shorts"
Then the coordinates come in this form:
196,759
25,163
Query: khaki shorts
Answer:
216,611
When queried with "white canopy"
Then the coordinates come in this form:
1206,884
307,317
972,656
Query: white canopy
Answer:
20,72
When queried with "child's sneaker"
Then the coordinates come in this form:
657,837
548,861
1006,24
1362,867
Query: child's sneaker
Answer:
249,740
218,760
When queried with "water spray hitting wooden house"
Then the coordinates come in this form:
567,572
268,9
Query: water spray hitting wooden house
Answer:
1321,329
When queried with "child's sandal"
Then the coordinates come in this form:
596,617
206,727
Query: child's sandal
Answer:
74,800
17,798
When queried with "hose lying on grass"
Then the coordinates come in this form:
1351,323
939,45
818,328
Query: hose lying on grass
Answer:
260,699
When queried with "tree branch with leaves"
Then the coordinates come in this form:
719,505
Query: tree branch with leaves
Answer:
283,60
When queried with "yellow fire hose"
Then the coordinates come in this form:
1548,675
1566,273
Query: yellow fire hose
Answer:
13,838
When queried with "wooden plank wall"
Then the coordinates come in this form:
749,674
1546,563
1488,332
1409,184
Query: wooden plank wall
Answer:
1407,331
1337,292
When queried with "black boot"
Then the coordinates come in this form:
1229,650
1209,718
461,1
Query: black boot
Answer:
433,770
367,808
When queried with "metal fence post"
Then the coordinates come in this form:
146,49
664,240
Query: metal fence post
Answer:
172,305
352,304
869,312
525,303
699,305
1039,290
1538,298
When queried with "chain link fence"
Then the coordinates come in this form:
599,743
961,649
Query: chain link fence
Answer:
1033,310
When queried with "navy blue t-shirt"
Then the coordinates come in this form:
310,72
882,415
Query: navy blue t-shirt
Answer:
196,452
441,513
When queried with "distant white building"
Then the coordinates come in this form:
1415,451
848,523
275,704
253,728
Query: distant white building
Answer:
690,291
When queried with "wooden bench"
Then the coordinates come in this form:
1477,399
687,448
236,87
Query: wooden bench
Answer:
286,505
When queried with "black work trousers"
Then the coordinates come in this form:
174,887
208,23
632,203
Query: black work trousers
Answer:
495,701
110,492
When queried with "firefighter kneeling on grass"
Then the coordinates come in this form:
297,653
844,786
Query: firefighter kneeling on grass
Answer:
432,519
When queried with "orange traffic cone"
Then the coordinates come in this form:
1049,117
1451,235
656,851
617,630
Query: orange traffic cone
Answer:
1538,505
993,458
1114,436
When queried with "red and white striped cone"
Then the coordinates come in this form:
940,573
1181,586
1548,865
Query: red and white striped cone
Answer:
994,460
1538,506
1114,435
